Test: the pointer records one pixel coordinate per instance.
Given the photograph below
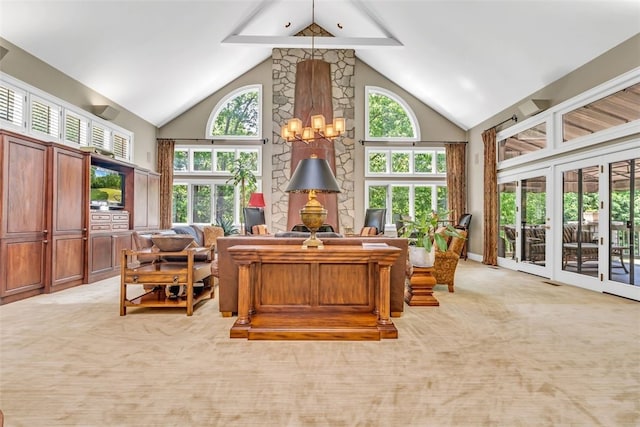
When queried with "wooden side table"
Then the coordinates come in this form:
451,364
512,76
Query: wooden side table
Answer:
158,275
420,289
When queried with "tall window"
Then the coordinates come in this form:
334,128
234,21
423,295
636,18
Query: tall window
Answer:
407,180
201,194
389,117
238,115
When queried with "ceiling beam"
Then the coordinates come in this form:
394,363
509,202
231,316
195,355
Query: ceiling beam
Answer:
320,42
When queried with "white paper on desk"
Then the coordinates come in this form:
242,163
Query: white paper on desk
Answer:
374,245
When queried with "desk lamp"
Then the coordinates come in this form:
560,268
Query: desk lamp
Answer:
313,175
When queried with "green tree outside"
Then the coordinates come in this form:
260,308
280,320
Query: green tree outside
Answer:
238,117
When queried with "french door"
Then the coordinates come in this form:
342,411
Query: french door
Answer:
524,222
624,228
600,211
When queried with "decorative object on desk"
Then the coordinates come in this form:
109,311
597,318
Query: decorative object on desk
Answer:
172,242
313,175
427,237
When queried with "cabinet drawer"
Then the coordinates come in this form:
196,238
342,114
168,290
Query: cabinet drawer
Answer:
120,218
124,226
155,277
96,217
100,227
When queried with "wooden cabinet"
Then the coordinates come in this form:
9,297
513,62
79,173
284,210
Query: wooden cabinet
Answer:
50,239
24,217
109,234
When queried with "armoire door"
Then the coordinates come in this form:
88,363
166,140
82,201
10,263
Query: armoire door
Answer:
69,230
24,223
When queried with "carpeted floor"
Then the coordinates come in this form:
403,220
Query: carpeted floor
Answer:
506,349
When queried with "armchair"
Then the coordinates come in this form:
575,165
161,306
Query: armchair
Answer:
463,224
253,216
375,218
446,261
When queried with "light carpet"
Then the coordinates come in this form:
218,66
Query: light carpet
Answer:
506,349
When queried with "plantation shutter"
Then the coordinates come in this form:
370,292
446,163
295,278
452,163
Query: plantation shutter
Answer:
11,105
100,137
45,117
121,146
75,129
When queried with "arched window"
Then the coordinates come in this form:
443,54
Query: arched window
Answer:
237,115
388,117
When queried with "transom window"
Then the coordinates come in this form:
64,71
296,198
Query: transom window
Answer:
406,161
31,111
389,117
237,115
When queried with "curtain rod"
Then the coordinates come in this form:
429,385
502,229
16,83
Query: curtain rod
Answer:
363,141
514,118
213,141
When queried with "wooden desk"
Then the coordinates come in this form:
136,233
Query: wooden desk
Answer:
335,293
160,274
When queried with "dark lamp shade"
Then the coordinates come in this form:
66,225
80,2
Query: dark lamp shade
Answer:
313,174
257,200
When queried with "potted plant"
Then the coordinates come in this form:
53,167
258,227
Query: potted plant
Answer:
242,175
423,239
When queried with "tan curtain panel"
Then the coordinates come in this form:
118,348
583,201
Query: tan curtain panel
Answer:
165,169
456,155
490,250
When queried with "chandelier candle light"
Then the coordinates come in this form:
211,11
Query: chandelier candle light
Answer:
315,126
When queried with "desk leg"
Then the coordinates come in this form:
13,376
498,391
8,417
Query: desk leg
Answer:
190,285
123,285
385,325
240,328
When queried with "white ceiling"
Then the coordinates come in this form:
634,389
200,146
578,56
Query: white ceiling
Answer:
467,60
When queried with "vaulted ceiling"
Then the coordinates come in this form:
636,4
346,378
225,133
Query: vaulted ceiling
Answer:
468,60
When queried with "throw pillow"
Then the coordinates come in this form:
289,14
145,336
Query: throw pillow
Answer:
211,234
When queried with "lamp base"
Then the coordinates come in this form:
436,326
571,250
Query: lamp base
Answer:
313,242
313,216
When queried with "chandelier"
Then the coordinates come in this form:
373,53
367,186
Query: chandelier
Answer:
317,126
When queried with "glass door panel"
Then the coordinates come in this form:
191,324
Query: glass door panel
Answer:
507,220
533,222
580,220
624,217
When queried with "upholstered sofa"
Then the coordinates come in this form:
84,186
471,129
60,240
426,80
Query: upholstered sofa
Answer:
142,239
228,270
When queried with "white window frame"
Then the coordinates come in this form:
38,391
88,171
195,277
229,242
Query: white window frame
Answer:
223,102
553,117
19,122
388,152
215,177
408,110
55,116
84,129
434,184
